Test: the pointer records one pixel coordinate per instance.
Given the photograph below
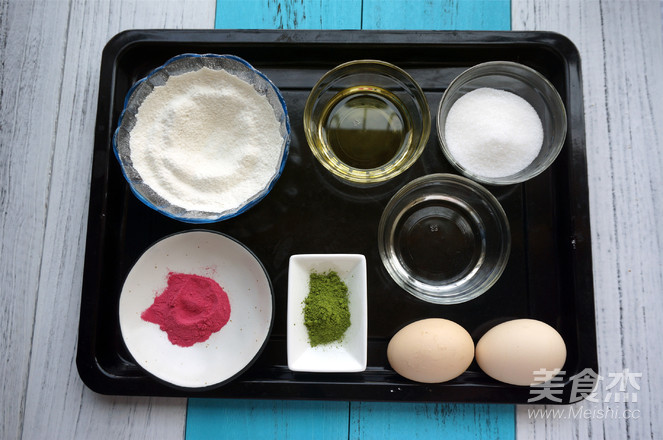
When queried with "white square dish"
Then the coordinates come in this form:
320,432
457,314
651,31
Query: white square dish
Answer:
348,355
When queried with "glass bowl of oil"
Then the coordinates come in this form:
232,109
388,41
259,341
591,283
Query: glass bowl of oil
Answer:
444,238
367,121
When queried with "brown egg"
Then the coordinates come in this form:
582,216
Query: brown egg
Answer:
513,351
431,350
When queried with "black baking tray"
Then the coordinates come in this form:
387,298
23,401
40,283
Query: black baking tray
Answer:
548,277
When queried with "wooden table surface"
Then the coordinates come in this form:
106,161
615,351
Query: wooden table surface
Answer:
50,53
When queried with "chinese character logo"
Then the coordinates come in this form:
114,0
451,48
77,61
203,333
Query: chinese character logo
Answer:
549,385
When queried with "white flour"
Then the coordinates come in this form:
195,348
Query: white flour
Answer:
206,141
493,133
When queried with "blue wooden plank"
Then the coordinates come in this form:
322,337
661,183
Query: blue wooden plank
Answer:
239,419
422,421
396,420
437,14
290,14
211,419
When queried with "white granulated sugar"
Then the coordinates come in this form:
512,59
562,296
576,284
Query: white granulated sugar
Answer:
493,133
206,141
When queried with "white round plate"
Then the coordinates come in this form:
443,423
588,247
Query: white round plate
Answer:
227,352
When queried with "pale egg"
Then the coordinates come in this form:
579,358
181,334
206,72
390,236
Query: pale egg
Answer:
431,350
521,352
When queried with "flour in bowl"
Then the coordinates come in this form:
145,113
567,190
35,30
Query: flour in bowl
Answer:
206,141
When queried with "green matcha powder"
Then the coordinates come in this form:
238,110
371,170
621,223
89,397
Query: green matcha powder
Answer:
326,311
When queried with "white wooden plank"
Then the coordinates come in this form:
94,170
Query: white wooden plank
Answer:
26,138
621,46
61,120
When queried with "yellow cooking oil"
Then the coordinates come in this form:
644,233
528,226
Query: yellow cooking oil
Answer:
365,127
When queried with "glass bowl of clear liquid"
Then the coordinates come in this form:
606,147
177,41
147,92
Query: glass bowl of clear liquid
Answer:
444,239
366,121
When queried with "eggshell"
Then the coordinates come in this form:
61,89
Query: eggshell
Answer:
431,350
513,351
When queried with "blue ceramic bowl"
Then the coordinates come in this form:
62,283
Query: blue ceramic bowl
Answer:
176,66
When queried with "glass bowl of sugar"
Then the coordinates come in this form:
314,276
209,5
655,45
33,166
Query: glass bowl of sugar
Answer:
202,138
501,123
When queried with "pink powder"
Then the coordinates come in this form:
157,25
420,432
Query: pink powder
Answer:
190,309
